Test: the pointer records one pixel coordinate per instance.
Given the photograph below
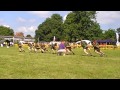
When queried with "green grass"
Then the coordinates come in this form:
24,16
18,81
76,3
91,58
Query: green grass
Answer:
25,65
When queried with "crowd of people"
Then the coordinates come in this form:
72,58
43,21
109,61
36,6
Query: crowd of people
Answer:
63,48
6,43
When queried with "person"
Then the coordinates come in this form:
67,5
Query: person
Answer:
7,43
85,47
43,48
97,48
62,49
30,47
68,48
20,47
36,47
54,47
1,44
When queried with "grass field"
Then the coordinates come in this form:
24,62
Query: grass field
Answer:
25,65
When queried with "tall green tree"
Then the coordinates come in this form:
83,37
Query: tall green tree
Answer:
6,31
110,34
49,28
81,24
28,35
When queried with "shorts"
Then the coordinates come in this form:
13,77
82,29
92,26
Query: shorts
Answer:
62,50
85,48
97,49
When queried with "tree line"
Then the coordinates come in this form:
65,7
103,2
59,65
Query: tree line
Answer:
78,25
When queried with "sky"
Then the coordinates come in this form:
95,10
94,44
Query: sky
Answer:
28,21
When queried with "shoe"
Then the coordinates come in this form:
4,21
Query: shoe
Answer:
101,55
87,54
91,55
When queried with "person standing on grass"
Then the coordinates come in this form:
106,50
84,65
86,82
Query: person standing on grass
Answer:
85,47
97,48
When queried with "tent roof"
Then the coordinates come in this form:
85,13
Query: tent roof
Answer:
106,41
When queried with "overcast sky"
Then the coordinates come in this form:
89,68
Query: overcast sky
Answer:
28,21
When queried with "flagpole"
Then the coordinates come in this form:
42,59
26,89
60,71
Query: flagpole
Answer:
54,38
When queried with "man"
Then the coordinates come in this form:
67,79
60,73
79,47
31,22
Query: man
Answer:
85,47
68,48
20,46
54,47
30,47
97,48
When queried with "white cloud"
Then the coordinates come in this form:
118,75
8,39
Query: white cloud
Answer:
108,17
1,20
32,20
32,28
64,18
27,30
2,23
20,19
42,14
6,26
22,29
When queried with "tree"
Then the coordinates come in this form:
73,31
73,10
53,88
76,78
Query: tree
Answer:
118,30
81,24
49,28
28,35
6,31
78,24
109,34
